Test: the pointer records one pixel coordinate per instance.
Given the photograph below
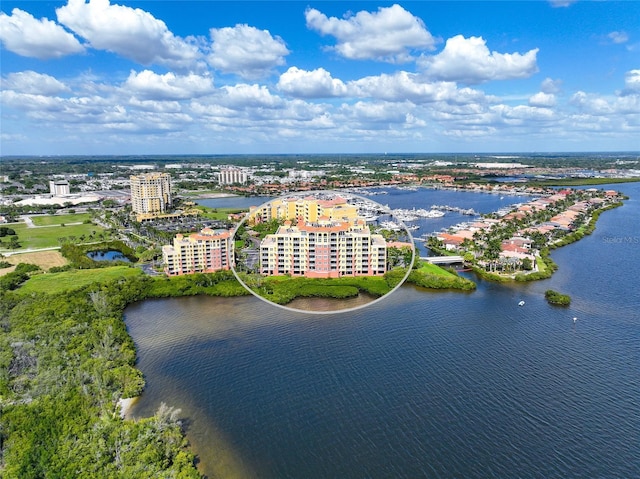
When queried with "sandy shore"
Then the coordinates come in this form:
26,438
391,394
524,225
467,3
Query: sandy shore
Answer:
125,406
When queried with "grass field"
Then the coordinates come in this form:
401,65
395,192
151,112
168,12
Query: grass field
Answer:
71,280
33,238
428,268
44,259
49,220
218,213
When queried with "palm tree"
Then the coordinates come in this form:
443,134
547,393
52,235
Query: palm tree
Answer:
492,253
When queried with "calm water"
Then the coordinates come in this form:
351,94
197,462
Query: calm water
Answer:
438,385
110,255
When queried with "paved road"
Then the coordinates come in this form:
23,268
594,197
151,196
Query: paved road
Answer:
28,221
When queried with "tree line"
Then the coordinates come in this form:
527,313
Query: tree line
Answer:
65,361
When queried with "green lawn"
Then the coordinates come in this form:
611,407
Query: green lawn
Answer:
428,268
60,219
76,279
217,213
542,265
48,237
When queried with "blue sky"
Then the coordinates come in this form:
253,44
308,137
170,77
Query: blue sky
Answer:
210,77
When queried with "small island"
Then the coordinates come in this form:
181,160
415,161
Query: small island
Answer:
558,299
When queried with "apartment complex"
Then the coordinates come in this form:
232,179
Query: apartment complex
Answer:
307,209
204,252
230,176
150,194
325,248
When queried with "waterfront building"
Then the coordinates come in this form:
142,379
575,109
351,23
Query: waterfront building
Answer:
230,176
325,248
59,188
150,194
204,252
307,209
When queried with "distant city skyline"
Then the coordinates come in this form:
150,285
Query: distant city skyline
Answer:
316,77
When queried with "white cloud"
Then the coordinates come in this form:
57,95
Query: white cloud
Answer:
551,86
156,106
250,96
562,3
468,60
94,115
596,105
131,33
150,85
33,83
378,112
591,104
23,34
632,81
33,105
246,51
521,114
542,99
629,105
388,34
618,37
403,86
317,83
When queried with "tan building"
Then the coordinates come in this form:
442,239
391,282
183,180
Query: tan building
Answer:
323,249
204,252
308,209
150,194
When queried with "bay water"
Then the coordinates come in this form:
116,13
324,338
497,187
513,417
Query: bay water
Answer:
420,384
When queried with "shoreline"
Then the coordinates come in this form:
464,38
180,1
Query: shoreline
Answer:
124,405
210,196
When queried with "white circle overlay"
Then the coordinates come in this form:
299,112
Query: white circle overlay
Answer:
324,194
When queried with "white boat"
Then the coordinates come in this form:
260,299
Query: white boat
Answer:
390,225
434,214
521,303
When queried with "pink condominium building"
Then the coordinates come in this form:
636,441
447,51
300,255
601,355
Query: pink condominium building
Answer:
323,249
204,252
